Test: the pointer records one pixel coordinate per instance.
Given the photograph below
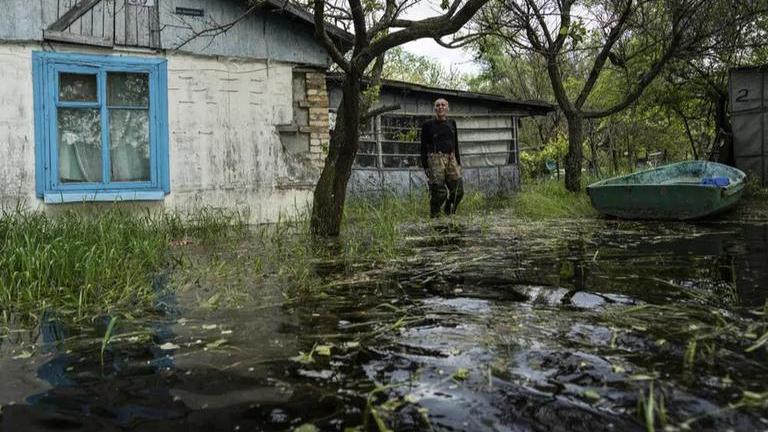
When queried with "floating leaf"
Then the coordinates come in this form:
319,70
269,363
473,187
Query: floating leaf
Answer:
461,374
591,394
641,377
307,427
23,355
216,344
411,398
213,301
323,350
169,346
303,357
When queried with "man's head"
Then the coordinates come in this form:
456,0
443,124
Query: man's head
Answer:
441,109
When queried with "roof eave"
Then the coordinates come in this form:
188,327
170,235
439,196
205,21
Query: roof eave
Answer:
535,107
341,36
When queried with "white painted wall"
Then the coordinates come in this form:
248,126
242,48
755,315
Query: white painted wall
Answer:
17,126
224,147
225,150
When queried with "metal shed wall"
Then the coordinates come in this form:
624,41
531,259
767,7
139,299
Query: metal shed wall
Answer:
487,128
749,118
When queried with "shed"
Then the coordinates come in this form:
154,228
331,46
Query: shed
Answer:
748,89
167,104
388,158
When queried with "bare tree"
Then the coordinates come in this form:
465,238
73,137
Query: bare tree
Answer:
377,29
633,39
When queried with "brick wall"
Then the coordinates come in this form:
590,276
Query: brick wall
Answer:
317,104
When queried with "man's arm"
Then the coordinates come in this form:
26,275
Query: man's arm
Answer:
425,140
456,142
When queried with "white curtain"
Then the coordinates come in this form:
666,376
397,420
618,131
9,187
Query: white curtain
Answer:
79,145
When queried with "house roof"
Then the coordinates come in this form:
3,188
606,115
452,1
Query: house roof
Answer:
534,106
751,68
342,36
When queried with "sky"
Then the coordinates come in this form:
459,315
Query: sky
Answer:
429,48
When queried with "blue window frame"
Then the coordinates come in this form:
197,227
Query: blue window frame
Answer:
101,127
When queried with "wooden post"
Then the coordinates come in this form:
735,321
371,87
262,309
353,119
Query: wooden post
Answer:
377,133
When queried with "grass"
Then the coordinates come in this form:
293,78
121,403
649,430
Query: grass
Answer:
82,266
548,199
78,265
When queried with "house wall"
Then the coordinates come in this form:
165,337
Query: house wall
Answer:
263,34
224,141
17,126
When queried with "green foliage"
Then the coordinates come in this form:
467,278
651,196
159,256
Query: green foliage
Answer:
401,65
533,163
677,114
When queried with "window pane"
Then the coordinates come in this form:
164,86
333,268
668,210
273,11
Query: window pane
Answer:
79,145
129,144
128,89
367,147
401,161
74,87
365,161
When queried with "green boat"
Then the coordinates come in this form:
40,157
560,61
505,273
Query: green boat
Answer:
684,190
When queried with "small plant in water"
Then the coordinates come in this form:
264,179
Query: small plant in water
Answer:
108,334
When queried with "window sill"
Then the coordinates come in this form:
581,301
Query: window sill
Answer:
80,197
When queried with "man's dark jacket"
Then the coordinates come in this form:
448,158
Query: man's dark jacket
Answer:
439,136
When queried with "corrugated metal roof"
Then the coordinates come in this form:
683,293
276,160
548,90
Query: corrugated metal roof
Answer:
756,68
532,105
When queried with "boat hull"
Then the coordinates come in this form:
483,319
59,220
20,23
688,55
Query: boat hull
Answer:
671,192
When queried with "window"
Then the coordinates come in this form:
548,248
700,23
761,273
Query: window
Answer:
101,128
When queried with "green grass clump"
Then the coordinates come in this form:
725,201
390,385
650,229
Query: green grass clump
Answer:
550,199
77,265
80,266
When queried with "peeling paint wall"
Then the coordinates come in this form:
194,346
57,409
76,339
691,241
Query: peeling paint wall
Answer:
225,148
17,127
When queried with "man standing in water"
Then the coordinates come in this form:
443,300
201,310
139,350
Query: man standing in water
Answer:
440,160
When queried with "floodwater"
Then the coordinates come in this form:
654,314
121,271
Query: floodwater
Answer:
495,324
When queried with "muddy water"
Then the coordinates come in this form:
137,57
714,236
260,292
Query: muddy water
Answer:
494,324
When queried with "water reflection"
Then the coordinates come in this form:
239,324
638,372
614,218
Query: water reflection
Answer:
510,326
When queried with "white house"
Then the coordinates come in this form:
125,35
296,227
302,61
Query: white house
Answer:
168,104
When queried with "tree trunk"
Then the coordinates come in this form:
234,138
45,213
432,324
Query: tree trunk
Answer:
594,157
574,157
331,189
614,156
724,134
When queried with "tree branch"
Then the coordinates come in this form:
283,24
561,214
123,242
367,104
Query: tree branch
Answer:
378,111
599,62
358,20
215,30
325,40
644,82
434,27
